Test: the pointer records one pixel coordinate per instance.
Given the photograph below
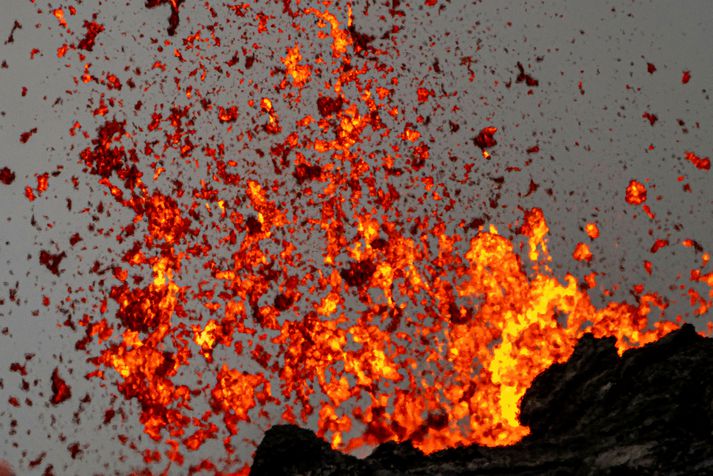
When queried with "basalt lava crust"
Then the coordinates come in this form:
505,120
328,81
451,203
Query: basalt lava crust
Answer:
647,412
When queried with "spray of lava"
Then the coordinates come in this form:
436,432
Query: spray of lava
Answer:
274,260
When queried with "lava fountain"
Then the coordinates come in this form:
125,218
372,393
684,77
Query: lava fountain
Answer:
290,255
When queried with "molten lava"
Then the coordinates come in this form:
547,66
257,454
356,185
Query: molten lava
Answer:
273,262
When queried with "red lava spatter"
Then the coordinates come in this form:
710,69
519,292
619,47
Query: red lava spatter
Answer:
7,176
290,256
61,392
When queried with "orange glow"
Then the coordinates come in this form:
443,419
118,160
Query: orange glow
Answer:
59,14
582,252
308,294
592,230
299,73
635,193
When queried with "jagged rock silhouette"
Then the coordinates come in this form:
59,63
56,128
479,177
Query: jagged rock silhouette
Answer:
649,411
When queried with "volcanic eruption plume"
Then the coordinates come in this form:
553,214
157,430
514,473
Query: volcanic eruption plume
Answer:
289,219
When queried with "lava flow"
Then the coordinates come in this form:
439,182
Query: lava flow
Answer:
292,256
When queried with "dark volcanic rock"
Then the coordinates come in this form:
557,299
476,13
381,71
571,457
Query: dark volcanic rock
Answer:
648,412
288,449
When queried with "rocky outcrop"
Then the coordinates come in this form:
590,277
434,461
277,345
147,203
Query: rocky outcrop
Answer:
647,412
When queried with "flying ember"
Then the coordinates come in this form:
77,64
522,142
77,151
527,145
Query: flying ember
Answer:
289,237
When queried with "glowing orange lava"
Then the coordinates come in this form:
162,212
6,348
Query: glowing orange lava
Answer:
282,275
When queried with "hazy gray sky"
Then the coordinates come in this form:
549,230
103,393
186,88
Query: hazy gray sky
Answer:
590,58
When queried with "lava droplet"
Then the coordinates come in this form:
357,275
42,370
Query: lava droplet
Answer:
61,392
